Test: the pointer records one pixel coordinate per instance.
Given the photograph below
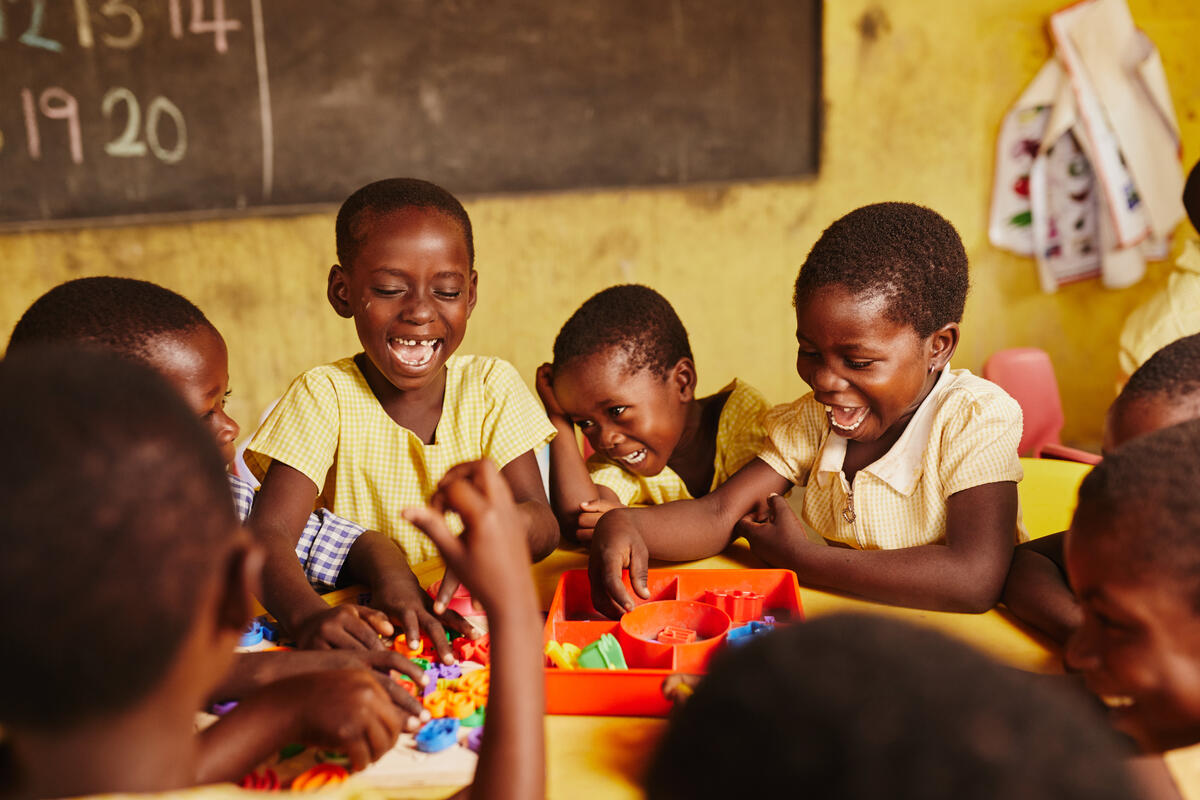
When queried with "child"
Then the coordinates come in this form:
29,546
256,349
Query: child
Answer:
370,435
1133,557
135,622
143,321
1162,392
623,372
912,464
852,706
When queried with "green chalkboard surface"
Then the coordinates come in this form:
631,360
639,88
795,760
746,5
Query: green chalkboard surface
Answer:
128,109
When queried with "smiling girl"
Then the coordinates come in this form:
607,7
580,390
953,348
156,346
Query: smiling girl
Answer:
910,465
371,435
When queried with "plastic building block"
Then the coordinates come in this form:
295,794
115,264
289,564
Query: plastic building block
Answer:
672,634
604,653
290,750
563,655
476,719
475,739
435,703
437,735
745,633
423,663
221,709
460,706
318,776
265,781
270,628
252,635
333,757
448,671
739,605
477,650
423,648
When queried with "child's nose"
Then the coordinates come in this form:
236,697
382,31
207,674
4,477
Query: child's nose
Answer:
825,379
1080,653
229,429
418,310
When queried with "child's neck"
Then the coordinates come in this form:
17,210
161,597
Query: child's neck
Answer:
418,410
149,749
862,454
694,456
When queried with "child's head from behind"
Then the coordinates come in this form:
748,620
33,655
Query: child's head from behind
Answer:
1191,196
1133,558
1162,392
406,276
878,302
864,707
623,372
145,322
120,541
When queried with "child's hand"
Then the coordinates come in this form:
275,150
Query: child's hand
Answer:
770,532
616,547
545,390
491,557
348,626
406,602
590,513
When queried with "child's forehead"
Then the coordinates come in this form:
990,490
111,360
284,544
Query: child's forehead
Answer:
837,312
374,225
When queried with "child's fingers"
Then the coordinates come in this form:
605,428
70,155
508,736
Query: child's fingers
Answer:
384,661
608,590
584,535
457,622
780,508
377,620
400,696
446,591
358,752
437,634
639,568
412,626
588,519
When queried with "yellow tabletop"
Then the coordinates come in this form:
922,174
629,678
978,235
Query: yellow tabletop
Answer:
604,757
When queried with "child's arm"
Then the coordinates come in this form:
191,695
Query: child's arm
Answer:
679,531
1036,591
494,565
572,491
345,710
279,514
964,574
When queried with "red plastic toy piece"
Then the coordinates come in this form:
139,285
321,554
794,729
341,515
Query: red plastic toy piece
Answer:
267,781
318,776
741,606
478,650
672,634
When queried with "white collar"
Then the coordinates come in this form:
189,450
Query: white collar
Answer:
901,466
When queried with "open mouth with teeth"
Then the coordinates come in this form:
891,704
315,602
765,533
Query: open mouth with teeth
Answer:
415,352
634,459
1116,701
846,418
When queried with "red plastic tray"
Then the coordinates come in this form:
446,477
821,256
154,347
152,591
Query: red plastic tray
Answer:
637,691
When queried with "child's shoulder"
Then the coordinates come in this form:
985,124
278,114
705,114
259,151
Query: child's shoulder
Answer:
965,393
492,374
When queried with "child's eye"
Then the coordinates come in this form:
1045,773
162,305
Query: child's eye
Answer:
809,354
583,424
387,291
852,364
617,411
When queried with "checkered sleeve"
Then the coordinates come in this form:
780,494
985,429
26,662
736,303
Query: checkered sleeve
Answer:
793,439
605,473
243,495
324,544
301,431
514,422
979,442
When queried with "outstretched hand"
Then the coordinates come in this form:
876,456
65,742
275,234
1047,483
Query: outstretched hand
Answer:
617,547
349,627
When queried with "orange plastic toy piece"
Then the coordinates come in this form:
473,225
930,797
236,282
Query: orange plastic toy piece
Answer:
741,606
424,647
672,634
460,706
435,703
267,781
478,650
318,776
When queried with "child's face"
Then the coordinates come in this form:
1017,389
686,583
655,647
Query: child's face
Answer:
410,291
1138,647
869,371
632,416
196,363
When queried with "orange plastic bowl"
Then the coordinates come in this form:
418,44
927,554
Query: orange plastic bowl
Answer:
639,630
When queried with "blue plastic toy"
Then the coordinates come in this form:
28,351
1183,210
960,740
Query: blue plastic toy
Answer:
437,735
252,635
744,633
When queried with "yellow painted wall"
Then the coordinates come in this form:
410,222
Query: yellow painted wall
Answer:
914,93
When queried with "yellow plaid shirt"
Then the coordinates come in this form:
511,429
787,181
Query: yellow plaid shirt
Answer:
329,426
1183,765
964,434
1170,314
740,435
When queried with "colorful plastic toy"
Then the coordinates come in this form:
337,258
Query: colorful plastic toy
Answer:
252,635
477,650
604,653
270,628
475,739
318,776
672,634
740,605
437,735
744,633
266,781
572,620
563,656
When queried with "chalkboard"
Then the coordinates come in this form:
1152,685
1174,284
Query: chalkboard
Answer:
128,108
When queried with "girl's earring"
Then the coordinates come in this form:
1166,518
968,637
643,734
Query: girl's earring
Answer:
931,369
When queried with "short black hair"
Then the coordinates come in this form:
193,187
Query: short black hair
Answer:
855,706
1191,196
119,314
1171,373
905,252
394,194
1142,502
116,513
633,317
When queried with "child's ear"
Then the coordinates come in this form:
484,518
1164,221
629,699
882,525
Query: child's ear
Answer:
338,291
683,378
472,292
243,575
942,344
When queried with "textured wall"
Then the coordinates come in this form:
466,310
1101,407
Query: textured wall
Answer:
914,91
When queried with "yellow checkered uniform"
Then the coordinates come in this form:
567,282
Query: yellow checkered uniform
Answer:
330,427
1183,765
740,435
1171,313
964,434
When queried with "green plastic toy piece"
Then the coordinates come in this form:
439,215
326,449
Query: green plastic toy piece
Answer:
291,750
423,663
604,653
475,720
